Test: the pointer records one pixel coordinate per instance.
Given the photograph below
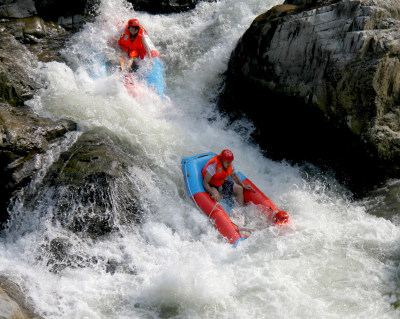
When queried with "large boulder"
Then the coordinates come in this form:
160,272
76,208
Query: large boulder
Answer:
80,187
24,140
88,191
321,80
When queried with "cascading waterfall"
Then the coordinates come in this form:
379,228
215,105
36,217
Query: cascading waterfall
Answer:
334,261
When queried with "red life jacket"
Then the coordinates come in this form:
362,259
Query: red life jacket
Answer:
220,174
136,48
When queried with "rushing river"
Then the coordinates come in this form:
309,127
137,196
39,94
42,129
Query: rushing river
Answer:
334,261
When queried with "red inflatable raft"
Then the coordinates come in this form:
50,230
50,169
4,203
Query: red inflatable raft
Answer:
192,167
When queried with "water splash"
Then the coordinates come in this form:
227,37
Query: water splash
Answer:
335,261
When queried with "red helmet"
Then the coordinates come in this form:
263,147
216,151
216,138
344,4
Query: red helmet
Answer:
133,23
226,156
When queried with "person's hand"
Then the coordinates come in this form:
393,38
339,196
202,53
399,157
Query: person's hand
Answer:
214,194
247,187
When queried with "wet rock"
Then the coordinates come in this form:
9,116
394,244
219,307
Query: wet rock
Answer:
113,266
24,139
384,201
17,81
43,39
13,302
71,15
17,8
88,190
9,308
60,253
165,6
321,80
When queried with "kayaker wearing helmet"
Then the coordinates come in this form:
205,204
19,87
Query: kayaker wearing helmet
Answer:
215,173
135,43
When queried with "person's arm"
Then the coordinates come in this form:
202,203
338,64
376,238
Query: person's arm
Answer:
237,180
147,46
214,194
122,61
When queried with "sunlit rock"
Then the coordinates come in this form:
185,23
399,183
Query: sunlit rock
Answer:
322,81
14,304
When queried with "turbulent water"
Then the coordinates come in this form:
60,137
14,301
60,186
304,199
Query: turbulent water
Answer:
334,261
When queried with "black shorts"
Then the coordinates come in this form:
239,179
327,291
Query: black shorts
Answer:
226,190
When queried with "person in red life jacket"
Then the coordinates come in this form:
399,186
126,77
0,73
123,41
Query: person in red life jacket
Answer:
135,43
215,174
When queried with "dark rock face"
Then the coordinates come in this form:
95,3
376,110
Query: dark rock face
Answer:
69,14
24,42
24,139
88,188
89,192
17,8
164,6
17,83
322,84
72,14
87,180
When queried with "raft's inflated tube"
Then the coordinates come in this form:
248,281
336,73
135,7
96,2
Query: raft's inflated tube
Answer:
192,167
237,242
155,78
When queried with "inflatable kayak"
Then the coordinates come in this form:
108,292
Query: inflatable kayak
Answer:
154,79
97,66
192,167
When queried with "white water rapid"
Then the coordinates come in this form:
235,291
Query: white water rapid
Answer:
334,261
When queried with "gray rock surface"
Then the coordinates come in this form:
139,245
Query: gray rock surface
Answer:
338,62
24,139
17,8
9,309
17,81
13,302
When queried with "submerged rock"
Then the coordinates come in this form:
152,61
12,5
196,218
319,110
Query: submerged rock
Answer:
321,80
88,189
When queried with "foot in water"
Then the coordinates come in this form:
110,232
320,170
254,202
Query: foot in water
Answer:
245,231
